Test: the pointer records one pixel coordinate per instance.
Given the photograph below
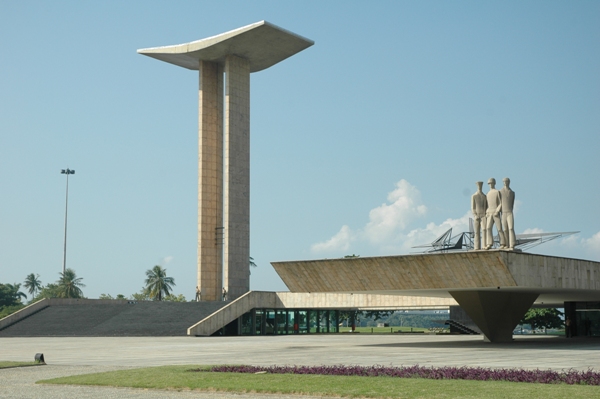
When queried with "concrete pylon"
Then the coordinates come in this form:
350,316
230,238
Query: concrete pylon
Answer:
496,313
224,63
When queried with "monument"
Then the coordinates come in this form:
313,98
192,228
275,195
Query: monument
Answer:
508,220
224,63
494,207
479,207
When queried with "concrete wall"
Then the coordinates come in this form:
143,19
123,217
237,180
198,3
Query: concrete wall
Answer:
530,270
444,271
360,301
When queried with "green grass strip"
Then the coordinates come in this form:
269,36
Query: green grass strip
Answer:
179,378
8,365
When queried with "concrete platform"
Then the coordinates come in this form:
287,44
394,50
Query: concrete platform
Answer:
495,288
528,352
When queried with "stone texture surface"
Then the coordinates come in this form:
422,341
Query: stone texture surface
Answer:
555,279
395,273
210,180
236,253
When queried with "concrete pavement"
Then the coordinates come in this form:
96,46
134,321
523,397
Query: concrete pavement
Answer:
69,356
544,352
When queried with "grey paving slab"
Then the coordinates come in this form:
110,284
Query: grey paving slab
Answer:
72,355
544,352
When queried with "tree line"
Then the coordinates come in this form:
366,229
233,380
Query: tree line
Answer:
157,287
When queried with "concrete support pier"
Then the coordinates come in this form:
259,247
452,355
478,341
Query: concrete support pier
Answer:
224,63
495,313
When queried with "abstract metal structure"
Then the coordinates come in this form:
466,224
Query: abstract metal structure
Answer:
464,241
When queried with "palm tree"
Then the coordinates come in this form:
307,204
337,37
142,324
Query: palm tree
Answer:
33,284
157,283
69,285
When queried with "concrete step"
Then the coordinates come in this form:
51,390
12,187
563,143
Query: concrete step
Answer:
143,318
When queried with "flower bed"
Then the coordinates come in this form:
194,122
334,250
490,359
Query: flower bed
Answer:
571,377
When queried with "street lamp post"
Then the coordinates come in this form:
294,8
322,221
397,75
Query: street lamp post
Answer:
66,172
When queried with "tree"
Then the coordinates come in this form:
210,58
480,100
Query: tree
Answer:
50,290
175,298
69,285
158,283
33,284
377,314
108,296
543,318
10,295
140,296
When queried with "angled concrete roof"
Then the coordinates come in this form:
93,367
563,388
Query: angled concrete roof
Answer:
554,279
262,43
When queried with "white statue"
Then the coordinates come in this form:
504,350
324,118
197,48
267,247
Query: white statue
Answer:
508,220
494,203
479,207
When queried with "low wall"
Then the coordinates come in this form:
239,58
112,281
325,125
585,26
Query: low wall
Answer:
325,300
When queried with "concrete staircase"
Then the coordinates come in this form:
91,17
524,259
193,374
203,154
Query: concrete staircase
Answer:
456,327
102,318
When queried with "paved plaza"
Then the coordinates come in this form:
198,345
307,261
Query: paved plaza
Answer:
67,356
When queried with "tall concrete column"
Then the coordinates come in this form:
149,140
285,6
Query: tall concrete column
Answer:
224,198
237,176
210,180
496,313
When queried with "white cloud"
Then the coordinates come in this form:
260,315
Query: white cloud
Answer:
339,242
592,246
166,260
387,223
387,220
534,230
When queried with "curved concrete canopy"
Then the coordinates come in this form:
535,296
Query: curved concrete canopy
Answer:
262,43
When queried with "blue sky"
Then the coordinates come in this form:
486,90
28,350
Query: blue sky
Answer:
369,142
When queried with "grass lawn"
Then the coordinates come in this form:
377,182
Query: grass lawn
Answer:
7,364
178,378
